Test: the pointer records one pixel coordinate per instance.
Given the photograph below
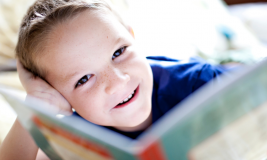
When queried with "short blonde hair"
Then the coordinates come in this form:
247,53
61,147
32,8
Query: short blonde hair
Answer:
39,21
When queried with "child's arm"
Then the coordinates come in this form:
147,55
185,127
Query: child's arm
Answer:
18,144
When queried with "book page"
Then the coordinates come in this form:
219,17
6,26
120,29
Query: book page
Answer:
243,139
63,141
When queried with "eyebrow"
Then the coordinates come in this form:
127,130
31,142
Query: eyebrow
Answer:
118,40
68,76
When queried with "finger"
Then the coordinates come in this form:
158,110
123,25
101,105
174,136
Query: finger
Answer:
41,102
24,75
22,71
54,100
29,81
62,103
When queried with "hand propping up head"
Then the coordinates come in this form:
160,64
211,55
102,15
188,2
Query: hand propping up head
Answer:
38,88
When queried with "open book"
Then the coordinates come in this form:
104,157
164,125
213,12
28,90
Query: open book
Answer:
222,121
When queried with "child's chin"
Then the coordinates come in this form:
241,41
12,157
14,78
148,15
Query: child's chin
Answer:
136,124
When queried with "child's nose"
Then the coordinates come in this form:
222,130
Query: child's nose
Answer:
116,80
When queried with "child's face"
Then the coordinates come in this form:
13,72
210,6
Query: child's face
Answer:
93,62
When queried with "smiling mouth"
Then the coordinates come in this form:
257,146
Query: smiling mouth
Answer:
128,98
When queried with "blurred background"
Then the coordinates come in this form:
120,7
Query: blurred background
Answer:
230,31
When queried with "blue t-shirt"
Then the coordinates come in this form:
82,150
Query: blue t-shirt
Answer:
173,81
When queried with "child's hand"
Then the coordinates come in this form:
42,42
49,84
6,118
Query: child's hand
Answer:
37,87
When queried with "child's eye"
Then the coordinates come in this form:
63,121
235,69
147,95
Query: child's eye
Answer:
118,52
83,80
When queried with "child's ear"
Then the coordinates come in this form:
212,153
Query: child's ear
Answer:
130,29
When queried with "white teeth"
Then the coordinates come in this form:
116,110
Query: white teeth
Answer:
129,97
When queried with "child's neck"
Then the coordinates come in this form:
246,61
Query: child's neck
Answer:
144,125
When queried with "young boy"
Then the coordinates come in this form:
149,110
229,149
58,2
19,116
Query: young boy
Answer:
87,59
